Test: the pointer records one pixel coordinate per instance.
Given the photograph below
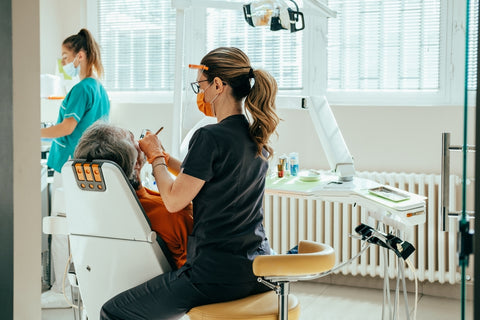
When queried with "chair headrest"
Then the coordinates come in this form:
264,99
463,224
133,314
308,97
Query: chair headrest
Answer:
89,175
100,201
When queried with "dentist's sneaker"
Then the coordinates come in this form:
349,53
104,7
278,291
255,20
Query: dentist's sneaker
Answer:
54,300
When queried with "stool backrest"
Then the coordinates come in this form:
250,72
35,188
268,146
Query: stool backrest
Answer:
312,259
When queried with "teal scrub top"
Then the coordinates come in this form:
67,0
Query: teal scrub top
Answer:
87,102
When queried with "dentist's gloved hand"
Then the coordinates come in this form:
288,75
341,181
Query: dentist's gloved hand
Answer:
152,147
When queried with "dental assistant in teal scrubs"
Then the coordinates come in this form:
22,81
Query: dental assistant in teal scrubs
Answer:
84,104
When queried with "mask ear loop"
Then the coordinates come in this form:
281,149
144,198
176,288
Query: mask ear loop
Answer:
212,102
76,58
213,105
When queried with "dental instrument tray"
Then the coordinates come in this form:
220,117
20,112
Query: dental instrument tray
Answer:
389,194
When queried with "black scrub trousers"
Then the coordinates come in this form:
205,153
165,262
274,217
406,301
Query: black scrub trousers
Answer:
227,234
171,295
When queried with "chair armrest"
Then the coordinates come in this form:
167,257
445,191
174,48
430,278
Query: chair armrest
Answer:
312,258
55,225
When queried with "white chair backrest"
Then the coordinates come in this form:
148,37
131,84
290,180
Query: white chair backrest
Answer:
112,245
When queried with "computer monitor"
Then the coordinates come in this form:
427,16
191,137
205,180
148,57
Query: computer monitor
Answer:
336,150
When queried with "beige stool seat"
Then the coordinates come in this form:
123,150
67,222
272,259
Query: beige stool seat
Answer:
263,306
276,272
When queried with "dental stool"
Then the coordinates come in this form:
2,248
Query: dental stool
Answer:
276,272
112,244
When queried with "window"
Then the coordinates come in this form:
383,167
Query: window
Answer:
384,45
383,53
137,39
279,52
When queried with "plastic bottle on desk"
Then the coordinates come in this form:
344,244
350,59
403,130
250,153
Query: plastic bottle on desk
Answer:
293,157
283,160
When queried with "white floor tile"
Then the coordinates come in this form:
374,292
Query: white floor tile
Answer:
58,314
442,309
343,303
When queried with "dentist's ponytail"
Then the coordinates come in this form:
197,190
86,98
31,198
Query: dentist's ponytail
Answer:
84,40
233,66
260,103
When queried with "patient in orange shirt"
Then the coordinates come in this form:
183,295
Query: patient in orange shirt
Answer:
173,227
103,141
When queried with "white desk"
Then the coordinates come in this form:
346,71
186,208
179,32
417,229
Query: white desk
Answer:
398,214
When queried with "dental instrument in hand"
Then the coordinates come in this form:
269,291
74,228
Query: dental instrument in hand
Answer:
158,131
144,132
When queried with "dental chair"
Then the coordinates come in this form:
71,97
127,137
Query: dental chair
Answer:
276,272
112,245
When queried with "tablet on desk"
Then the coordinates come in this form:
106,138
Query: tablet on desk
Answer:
389,194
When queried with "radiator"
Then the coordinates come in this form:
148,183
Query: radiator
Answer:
290,218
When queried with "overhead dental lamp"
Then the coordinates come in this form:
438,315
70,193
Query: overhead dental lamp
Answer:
277,14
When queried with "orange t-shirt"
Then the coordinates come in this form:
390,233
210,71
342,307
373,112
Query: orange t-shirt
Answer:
172,227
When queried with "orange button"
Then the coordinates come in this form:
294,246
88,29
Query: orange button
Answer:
96,173
88,171
79,172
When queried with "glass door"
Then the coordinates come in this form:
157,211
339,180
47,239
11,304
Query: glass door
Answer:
474,14
466,217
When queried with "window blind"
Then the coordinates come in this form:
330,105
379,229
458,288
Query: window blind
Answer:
472,44
137,39
278,52
384,45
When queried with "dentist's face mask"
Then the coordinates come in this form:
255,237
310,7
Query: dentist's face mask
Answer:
205,107
71,70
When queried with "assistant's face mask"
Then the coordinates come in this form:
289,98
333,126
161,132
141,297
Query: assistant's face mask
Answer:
205,107
71,70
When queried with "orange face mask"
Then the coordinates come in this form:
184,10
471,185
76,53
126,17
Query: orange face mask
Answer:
205,107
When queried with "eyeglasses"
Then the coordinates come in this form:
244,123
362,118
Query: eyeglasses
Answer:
196,86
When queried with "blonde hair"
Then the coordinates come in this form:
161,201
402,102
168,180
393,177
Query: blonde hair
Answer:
84,40
233,66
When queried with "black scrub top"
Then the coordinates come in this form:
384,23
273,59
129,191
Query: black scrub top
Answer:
228,228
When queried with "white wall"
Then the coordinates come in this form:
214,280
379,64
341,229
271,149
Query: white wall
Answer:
396,139
137,117
26,166
58,20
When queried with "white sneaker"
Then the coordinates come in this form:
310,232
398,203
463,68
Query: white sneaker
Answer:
54,300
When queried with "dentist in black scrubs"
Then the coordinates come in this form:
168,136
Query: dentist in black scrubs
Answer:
223,174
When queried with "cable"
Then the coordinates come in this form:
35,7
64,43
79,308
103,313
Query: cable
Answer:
416,287
396,306
403,250
386,285
405,295
341,265
63,285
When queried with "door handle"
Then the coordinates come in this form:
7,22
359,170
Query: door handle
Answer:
445,179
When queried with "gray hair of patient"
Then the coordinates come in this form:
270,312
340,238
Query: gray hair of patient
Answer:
102,141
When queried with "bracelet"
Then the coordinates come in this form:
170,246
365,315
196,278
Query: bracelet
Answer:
159,164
